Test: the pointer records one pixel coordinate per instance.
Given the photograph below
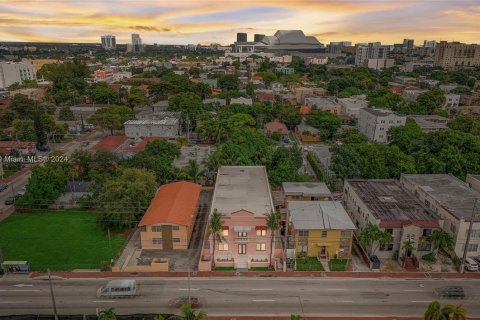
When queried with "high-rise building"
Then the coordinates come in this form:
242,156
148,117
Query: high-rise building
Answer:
371,51
109,42
408,43
136,45
429,44
454,55
258,37
15,72
241,37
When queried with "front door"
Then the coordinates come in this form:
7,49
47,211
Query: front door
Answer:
242,248
167,237
323,251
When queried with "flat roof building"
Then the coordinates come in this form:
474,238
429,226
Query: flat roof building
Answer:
375,123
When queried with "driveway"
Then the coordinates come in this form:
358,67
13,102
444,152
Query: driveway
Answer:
185,260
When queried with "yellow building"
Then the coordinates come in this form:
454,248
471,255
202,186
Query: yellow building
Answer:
169,220
321,229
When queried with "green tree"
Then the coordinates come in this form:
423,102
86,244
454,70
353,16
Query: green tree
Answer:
326,122
290,115
229,82
371,237
407,248
107,314
454,312
66,114
193,171
466,123
431,100
190,105
189,314
122,200
111,118
24,130
441,240
102,93
434,312
137,98
215,228
273,224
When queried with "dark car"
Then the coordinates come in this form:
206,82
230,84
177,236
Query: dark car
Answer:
43,148
375,262
3,187
455,292
9,201
180,301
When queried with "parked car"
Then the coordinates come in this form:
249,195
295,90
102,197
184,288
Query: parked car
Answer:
11,200
471,265
375,262
477,259
43,148
3,187
21,192
180,301
456,292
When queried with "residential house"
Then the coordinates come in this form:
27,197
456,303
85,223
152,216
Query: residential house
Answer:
452,101
265,96
411,93
276,126
321,229
168,128
390,206
242,196
473,181
429,123
169,220
305,191
323,104
375,123
242,100
24,147
454,201
111,143
215,102
307,133
285,70
74,192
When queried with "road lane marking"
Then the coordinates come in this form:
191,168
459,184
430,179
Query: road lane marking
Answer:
421,301
104,301
342,301
413,290
23,285
336,289
192,289
19,290
264,300
261,289
13,302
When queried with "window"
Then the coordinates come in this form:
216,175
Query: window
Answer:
242,234
303,233
387,247
242,248
472,247
175,228
261,233
453,228
324,233
345,233
473,234
261,247
157,240
225,232
176,240
156,228
223,246
143,228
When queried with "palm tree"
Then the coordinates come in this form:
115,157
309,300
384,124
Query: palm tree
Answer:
454,312
108,314
273,219
407,248
189,313
372,235
441,240
434,312
193,171
295,317
215,227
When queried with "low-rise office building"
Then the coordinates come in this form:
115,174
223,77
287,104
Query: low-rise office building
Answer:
375,123
454,201
391,207
15,72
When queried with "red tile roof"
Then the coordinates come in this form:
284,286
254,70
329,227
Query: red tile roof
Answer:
276,126
173,203
304,110
110,143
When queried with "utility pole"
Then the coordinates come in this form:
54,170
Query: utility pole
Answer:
110,246
189,299
286,242
188,130
53,297
465,250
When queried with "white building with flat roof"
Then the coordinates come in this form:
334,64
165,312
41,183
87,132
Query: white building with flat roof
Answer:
351,106
375,123
168,128
15,72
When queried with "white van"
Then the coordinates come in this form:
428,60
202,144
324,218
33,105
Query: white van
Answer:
118,289
471,265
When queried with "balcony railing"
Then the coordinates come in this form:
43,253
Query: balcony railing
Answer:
242,239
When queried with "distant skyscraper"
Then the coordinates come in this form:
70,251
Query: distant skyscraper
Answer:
408,43
241,37
373,50
429,44
258,37
136,45
109,42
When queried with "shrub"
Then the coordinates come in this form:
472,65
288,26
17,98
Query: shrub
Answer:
429,257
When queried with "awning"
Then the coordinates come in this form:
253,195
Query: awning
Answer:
225,227
242,228
260,228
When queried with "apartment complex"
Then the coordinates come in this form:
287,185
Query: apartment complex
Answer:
370,51
169,220
242,196
453,200
321,229
15,72
375,123
452,55
391,207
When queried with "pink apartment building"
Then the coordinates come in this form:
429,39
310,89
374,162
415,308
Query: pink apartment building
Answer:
242,195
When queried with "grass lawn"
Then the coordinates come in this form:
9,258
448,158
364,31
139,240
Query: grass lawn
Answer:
260,269
224,269
309,264
338,264
62,240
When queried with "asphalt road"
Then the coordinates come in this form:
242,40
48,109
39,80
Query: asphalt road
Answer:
241,296
13,187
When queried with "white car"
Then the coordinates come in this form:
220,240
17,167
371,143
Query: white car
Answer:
471,265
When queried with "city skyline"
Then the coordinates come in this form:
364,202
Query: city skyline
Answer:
206,21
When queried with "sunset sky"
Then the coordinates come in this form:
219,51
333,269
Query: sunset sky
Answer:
206,21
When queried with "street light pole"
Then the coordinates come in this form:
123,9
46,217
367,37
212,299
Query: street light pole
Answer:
467,243
51,294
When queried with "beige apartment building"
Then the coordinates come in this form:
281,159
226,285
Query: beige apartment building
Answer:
453,200
453,55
